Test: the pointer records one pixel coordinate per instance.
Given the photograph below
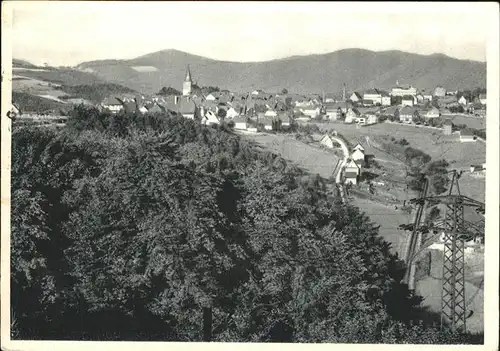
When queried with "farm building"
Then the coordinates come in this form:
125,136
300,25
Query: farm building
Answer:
350,178
467,136
447,127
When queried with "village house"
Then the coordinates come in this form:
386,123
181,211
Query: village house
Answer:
372,95
482,99
312,111
352,167
440,91
333,111
371,118
432,113
467,136
268,122
210,118
408,100
240,123
231,112
428,98
399,91
351,115
360,120
407,114
358,155
350,178
210,97
356,97
112,104
447,127
462,101
257,92
328,142
270,113
386,98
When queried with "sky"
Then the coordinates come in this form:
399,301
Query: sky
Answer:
64,33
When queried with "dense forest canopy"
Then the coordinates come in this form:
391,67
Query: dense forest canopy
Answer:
124,227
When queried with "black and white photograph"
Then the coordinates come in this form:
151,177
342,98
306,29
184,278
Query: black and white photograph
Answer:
249,172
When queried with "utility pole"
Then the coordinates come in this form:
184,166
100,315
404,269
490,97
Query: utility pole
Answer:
456,232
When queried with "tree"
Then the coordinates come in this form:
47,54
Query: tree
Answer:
284,91
169,91
221,113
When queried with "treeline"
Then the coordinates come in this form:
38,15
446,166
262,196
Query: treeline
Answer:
125,227
94,92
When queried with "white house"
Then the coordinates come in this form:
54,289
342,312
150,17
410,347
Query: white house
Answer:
327,141
371,118
311,111
355,97
386,98
358,155
440,91
351,115
257,92
466,136
210,118
399,91
353,167
240,123
142,109
428,97
359,147
462,101
270,113
408,100
432,113
350,178
232,113
112,104
373,95
210,97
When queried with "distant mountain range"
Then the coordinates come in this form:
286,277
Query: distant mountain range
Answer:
359,69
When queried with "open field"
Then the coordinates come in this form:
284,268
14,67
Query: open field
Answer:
470,121
312,159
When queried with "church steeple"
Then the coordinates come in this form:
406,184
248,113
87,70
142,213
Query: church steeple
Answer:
188,75
187,85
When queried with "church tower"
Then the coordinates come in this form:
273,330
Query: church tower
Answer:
187,85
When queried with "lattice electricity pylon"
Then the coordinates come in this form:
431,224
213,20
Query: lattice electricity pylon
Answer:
456,232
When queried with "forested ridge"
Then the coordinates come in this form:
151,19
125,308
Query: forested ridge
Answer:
124,227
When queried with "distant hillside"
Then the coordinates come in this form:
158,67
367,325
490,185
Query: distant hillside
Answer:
358,69
96,92
22,63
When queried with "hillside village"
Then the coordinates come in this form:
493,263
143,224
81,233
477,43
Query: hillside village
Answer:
401,104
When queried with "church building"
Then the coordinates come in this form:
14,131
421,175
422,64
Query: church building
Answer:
187,86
